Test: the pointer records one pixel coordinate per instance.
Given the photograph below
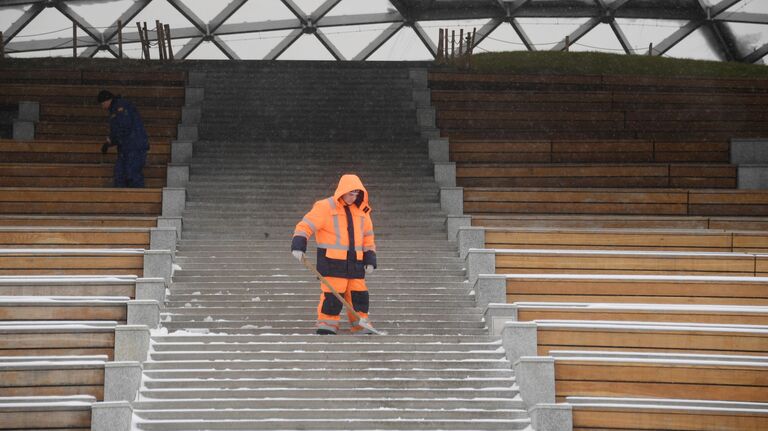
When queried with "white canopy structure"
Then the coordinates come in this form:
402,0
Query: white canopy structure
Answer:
728,30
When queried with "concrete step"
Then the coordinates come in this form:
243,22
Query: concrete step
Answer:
336,424
322,404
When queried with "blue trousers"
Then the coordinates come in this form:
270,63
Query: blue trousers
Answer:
129,169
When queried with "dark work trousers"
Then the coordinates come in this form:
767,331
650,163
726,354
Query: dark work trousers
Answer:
129,169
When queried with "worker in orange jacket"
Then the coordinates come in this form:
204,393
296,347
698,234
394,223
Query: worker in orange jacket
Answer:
345,251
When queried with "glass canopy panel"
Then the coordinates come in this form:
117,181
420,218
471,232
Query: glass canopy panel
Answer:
100,14
350,40
643,32
545,33
308,6
751,37
356,7
261,10
49,25
254,46
206,10
163,11
9,15
307,47
503,38
747,6
695,46
207,51
599,39
404,45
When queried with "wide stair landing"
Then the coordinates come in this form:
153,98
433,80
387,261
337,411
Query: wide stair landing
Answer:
237,349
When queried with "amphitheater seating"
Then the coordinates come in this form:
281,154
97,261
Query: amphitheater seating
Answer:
71,262
524,261
628,239
104,77
651,337
85,95
668,202
53,338
83,286
80,201
72,413
70,175
67,237
55,151
711,314
658,375
603,175
25,376
610,414
576,221
701,290
72,308
77,221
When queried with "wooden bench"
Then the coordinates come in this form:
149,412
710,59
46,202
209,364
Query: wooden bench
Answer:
64,308
655,375
72,413
26,376
672,313
533,261
85,95
620,414
649,289
92,76
95,130
616,239
74,237
549,335
150,115
82,201
70,175
617,201
18,262
587,151
75,152
618,222
73,338
77,221
596,175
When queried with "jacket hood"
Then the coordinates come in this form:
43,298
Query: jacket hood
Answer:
349,182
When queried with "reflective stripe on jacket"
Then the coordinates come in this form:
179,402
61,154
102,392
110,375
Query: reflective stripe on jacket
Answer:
344,233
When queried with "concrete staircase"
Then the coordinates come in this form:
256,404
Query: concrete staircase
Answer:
237,349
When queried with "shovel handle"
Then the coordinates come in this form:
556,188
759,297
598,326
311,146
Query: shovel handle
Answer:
322,279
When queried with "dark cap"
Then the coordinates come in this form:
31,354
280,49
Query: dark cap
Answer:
104,95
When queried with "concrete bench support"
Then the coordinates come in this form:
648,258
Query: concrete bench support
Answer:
753,177
174,201
535,376
177,175
193,95
158,264
499,314
172,222
191,115
131,343
152,289
111,416
490,289
187,133
445,174
121,380
455,222
519,339
144,312
480,261
552,417
181,152
163,238
29,111
452,200
470,237
439,150
23,130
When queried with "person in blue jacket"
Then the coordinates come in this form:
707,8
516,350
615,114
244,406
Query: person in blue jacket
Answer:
126,131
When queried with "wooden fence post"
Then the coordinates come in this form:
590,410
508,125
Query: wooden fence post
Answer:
650,48
146,39
160,40
141,40
2,46
74,40
119,39
567,43
167,32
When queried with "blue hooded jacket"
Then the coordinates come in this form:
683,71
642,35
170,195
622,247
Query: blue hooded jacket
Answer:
126,129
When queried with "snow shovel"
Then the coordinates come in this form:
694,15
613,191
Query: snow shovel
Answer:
360,320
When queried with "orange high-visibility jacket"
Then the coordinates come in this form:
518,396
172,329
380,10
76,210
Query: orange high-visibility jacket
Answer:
344,233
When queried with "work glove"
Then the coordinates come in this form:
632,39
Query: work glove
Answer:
104,148
368,269
298,254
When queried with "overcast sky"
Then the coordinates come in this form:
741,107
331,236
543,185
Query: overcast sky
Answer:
350,40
